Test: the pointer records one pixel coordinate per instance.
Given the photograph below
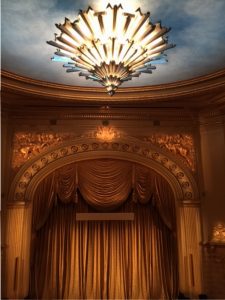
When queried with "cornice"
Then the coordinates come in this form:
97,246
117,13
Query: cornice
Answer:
23,85
211,119
97,114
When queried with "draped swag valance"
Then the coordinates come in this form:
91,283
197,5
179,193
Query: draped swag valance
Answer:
105,184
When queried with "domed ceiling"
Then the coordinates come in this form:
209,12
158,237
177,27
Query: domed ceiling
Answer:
198,30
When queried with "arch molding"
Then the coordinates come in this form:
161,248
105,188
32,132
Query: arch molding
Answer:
170,167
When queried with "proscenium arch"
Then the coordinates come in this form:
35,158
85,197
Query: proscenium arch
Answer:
166,164
24,185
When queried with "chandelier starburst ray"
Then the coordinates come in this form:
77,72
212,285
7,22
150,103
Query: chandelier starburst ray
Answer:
111,46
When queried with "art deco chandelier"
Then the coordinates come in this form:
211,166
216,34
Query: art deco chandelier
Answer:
110,46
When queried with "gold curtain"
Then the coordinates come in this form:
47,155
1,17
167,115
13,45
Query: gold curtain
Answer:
74,260
66,183
143,182
165,205
164,200
43,201
104,260
105,183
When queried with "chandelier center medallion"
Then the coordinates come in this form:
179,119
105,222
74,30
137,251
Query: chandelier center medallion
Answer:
111,46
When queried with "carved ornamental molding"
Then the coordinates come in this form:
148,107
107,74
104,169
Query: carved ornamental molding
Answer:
26,145
178,176
180,144
23,85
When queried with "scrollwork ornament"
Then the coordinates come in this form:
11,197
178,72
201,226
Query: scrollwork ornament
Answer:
95,146
22,185
164,160
105,145
145,152
173,168
185,184
27,175
180,175
125,147
135,148
35,167
44,161
188,195
19,196
155,155
115,146
54,155
74,149
84,147
63,151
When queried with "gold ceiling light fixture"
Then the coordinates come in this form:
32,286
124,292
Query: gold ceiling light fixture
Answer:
111,46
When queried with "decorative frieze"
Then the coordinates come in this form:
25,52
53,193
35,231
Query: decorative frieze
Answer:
181,145
92,145
27,145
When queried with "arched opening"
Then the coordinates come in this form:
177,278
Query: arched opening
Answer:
28,179
104,259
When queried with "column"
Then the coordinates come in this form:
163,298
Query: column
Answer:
17,251
189,241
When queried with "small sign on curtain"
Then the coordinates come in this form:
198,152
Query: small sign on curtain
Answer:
104,216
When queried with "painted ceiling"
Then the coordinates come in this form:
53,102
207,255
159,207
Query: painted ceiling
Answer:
198,30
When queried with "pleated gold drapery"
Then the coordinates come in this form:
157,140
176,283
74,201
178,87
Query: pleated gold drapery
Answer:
104,260
105,183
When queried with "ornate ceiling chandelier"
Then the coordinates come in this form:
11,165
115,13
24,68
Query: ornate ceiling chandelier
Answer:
110,46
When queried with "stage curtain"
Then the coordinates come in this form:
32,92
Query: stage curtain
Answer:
66,183
76,260
164,200
143,182
105,183
43,201
104,260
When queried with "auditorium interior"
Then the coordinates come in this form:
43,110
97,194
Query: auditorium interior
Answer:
106,192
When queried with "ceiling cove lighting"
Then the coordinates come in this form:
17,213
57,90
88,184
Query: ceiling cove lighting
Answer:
111,46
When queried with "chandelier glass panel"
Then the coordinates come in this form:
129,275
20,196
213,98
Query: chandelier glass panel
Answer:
111,46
